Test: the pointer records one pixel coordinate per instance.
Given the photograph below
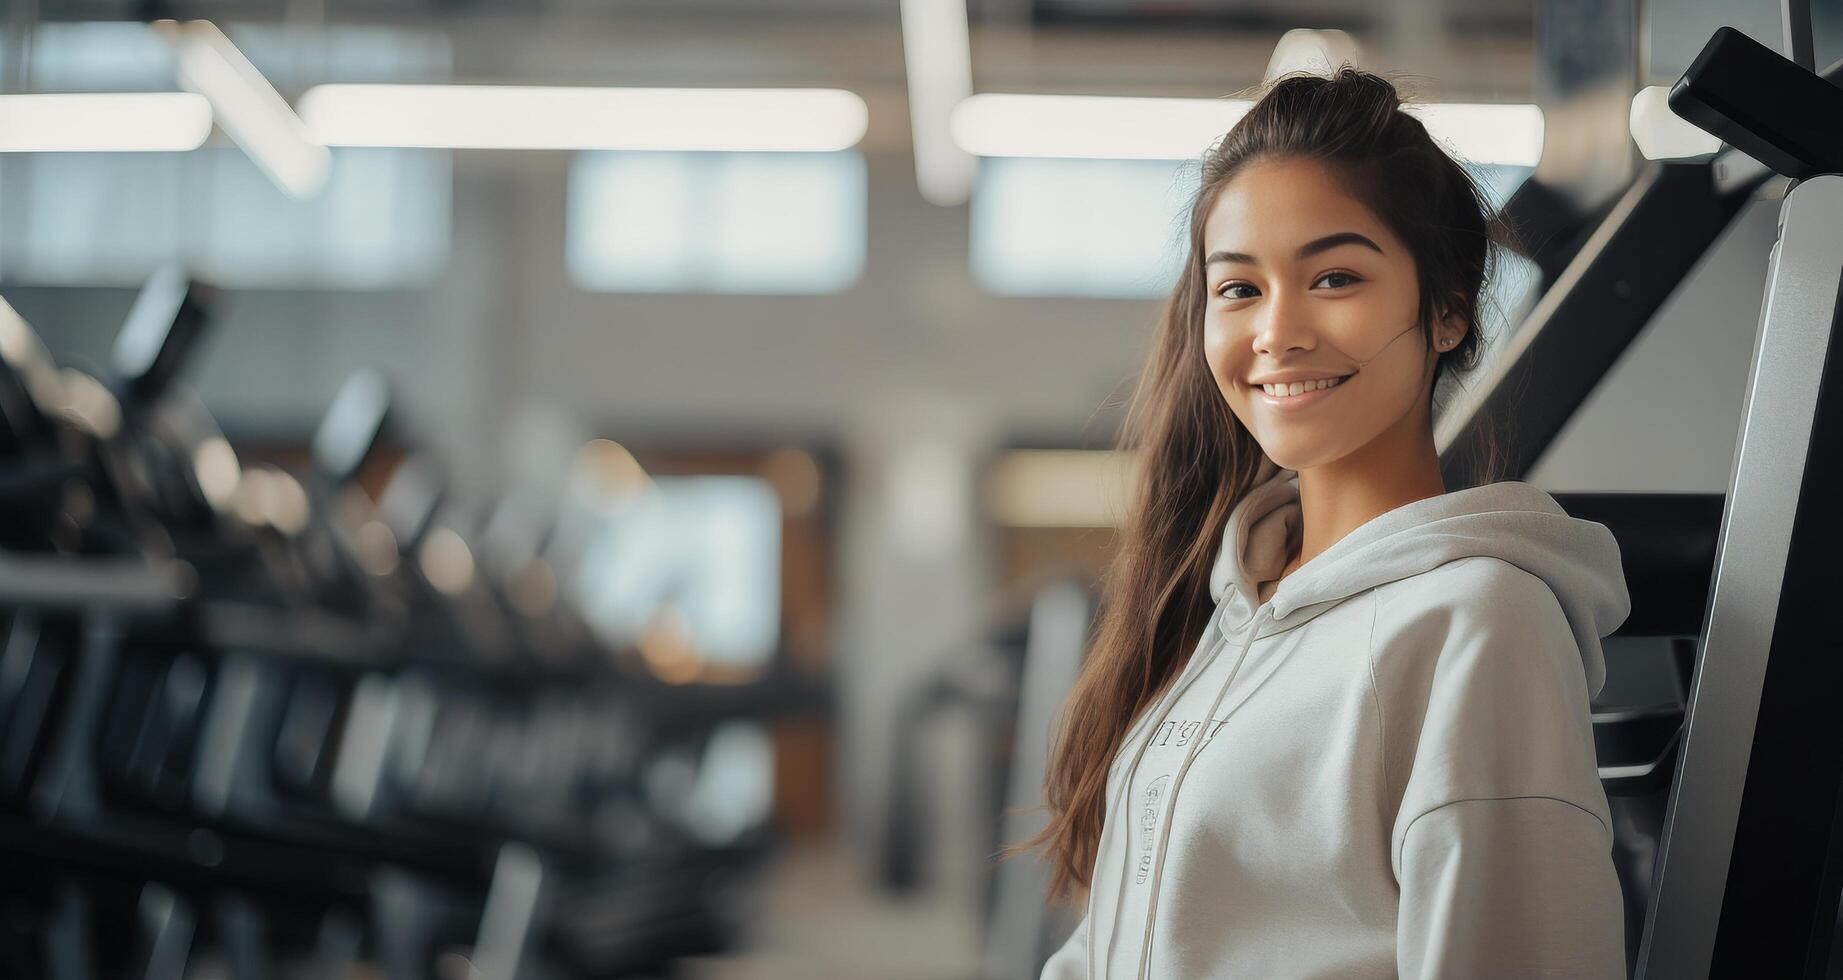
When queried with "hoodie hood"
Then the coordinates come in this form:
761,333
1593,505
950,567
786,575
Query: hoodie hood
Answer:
1511,520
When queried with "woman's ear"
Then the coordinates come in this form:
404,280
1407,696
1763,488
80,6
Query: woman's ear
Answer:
1450,332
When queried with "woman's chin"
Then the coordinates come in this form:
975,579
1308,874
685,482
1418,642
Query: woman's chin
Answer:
1290,458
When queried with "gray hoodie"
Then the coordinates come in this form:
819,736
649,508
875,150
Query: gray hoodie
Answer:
1386,769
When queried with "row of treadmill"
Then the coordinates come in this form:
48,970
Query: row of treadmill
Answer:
255,725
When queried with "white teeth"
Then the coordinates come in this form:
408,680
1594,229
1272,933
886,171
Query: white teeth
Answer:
1300,387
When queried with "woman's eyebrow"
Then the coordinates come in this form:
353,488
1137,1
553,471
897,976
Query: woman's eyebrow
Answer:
1306,251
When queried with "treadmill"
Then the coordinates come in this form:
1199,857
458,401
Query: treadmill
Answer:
1741,874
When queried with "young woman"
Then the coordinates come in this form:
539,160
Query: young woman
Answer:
1335,720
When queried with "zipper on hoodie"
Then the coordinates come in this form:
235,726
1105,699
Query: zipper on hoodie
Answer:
1177,783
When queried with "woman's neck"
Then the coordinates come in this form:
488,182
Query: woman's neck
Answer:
1339,497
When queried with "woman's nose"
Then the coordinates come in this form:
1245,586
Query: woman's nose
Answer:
1279,329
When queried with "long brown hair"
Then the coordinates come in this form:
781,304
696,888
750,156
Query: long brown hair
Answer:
1196,460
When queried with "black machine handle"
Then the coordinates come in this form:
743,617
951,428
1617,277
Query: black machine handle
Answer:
165,324
1651,773
353,426
1762,103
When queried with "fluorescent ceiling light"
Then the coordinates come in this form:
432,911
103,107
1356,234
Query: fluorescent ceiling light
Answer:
1139,128
937,52
108,121
563,118
248,108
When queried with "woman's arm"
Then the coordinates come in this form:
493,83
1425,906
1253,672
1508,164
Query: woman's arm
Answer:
1503,849
1509,888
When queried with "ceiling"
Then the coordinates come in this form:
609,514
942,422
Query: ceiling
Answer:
1468,18
1478,50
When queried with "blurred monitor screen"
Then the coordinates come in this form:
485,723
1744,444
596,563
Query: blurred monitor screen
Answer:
697,557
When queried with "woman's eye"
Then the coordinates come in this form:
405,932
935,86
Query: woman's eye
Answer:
1222,290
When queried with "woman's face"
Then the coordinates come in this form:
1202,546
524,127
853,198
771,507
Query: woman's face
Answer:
1303,282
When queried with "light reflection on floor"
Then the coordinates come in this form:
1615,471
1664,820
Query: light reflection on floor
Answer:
824,921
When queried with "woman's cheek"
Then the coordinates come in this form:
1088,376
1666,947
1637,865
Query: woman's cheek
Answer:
1215,351
1222,365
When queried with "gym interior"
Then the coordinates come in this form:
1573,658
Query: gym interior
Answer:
551,488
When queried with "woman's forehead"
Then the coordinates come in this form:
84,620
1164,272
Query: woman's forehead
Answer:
1270,209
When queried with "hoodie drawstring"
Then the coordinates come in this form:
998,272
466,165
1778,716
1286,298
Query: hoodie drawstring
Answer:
1164,839
1169,701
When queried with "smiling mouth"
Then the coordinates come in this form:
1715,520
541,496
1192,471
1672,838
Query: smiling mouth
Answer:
1281,392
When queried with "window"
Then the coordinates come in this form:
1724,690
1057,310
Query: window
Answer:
1092,228
382,221
125,56
652,221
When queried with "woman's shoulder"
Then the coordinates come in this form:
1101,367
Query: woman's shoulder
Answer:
1487,625
1479,596
1472,583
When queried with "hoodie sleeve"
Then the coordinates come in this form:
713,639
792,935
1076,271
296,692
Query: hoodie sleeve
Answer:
1502,846
1071,961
